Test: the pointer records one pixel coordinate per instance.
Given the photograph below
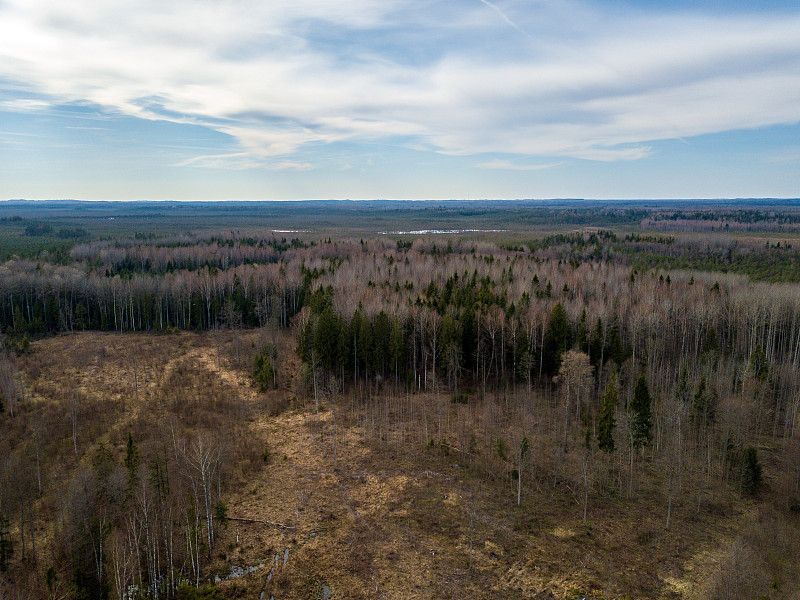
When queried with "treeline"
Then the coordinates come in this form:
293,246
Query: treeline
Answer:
724,220
769,261
190,253
494,303
461,332
45,298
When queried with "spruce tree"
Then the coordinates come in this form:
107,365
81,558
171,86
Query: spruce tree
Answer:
710,344
682,390
556,339
758,365
641,424
703,407
751,472
606,423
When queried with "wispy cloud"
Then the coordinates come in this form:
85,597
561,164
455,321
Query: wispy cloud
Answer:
512,166
285,76
242,161
24,105
505,17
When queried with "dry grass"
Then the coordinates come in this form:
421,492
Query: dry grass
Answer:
392,519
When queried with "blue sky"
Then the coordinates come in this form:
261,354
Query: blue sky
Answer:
295,99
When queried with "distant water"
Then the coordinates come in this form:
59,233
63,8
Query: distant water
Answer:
427,231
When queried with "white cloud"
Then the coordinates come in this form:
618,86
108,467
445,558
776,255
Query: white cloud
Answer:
24,105
286,75
508,165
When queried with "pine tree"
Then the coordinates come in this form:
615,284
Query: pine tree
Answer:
607,422
751,472
641,424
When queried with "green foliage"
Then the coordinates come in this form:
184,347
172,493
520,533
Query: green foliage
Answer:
710,343
704,405
524,446
221,513
607,422
751,472
37,229
326,338
682,388
556,339
207,592
758,366
501,449
641,423
263,373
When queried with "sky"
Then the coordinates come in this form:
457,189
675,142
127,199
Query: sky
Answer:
392,99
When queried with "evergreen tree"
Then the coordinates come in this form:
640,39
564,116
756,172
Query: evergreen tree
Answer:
263,371
326,338
381,339
607,422
703,407
364,344
523,360
596,343
751,472
641,424
556,339
710,344
397,346
682,389
758,365
469,336
615,350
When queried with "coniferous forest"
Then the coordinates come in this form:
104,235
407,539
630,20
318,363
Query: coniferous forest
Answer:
429,400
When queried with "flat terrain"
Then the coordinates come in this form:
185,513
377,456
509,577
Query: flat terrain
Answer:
375,513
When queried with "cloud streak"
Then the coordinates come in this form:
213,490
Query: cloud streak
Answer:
507,165
284,77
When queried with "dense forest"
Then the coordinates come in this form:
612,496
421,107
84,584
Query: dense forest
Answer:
611,370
